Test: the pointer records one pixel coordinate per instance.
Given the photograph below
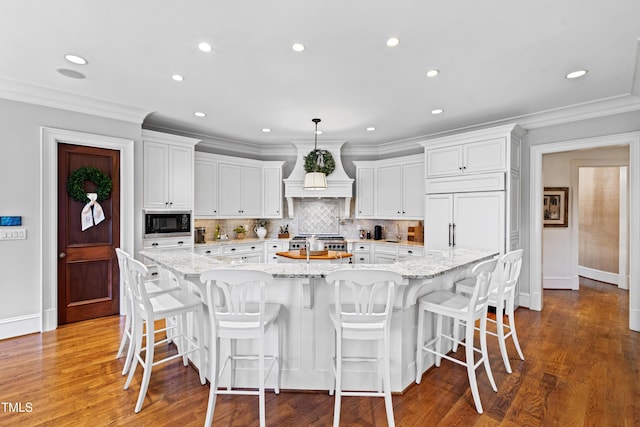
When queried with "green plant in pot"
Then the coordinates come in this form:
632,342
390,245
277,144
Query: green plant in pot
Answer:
240,231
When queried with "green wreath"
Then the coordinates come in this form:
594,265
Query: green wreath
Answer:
311,162
75,184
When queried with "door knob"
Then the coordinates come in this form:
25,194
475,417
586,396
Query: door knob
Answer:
62,255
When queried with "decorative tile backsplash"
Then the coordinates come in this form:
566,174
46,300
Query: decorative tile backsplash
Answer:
319,216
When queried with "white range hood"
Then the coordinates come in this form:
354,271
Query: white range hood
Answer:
339,185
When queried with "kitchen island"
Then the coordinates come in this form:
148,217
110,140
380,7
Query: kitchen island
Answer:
306,297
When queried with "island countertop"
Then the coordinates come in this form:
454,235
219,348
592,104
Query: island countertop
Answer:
433,264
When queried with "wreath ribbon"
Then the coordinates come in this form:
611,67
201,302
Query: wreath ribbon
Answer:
92,213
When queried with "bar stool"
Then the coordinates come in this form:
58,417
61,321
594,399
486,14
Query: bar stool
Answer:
462,308
238,311
147,309
153,287
362,311
502,297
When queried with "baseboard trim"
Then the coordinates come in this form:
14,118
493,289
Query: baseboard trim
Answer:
560,282
599,275
17,326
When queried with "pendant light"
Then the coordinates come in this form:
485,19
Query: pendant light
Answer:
316,180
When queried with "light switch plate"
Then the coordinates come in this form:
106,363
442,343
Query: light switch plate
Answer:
13,233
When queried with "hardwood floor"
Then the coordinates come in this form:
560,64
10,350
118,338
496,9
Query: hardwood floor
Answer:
581,368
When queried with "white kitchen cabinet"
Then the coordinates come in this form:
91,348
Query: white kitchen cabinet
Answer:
473,157
272,190
365,192
473,183
361,252
240,190
244,252
233,187
206,187
385,254
168,171
397,186
466,220
271,249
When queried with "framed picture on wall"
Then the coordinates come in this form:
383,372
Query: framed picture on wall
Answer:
555,207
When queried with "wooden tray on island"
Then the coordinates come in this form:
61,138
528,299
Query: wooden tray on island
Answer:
303,251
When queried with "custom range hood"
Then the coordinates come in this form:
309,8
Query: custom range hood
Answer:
339,185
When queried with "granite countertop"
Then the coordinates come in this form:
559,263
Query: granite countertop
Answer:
189,264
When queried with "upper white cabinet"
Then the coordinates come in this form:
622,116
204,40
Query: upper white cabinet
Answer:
365,192
168,171
233,187
272,190
206,187
473,157
390,188
240,190
473,190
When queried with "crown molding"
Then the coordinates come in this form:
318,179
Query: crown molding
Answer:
22,92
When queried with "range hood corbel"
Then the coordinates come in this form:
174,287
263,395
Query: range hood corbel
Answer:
339,185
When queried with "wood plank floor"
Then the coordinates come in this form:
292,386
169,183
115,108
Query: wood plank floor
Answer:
581,368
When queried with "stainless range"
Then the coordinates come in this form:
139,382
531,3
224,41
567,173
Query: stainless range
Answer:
332,243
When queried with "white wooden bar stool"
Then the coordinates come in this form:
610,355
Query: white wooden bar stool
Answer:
362,311
153,287
147,309
238,310
502,297
459,307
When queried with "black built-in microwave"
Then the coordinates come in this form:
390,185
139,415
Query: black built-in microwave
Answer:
167,224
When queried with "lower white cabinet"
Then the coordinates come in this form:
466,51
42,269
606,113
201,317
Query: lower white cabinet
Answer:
361,253
271,248
473,220
246,252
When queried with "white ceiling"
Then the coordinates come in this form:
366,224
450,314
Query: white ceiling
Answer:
498,59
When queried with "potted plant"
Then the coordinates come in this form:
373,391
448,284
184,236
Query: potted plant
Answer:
240,231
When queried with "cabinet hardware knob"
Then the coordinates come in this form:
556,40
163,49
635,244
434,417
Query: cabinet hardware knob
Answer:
207,252
233,249
154,244
62,255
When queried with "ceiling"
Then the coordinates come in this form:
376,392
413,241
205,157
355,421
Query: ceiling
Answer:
500,59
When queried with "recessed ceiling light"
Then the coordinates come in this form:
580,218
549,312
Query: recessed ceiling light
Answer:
437,111
204,46
576,74
177,77
393,41
199,114
71,73
371,129
433,73
78,60
298,47
266,130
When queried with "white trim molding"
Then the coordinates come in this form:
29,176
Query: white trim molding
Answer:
21,325
50,138
537,152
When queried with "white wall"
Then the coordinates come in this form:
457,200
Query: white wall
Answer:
559,266
20,175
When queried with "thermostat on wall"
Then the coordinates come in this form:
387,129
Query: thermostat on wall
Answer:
9,221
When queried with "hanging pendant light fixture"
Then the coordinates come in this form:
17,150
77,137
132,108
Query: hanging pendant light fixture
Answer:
314,179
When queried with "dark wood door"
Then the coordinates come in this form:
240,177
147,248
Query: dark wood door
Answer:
88,281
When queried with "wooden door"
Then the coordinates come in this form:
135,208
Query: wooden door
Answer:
88,281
